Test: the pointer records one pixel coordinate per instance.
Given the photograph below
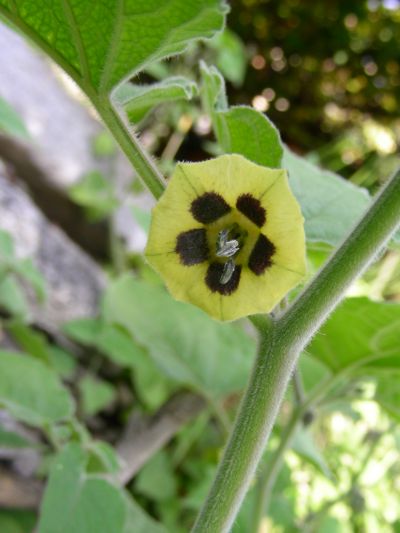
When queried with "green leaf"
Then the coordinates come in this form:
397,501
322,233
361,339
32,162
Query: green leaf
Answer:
96,194
240,130
231,56
103,43
31,391
156,479
104,145
252,134
12,298
102,458
118,345
138,100
35,343
360,333
313,371
31,341
6,247
111,340
213,93
26,270
75,501
10,121
151,386
388,394
16,521
184,342
95,395
63,362
137,521
329,203
9,439
197,492
83,330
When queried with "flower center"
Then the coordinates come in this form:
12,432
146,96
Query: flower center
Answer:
228,245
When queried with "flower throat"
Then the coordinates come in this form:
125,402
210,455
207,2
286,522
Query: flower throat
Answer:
229,248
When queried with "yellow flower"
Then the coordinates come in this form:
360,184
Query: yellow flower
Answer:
227,235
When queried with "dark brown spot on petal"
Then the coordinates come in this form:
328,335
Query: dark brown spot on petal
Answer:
209,207
192,246
252,209
213,279
261,255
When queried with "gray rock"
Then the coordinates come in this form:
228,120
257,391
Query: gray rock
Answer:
74,280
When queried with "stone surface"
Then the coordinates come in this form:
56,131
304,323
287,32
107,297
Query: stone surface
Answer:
74,280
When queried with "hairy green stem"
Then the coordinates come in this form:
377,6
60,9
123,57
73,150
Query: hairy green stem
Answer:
269,473
121,130
278,355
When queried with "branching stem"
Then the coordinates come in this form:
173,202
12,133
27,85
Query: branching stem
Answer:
280,346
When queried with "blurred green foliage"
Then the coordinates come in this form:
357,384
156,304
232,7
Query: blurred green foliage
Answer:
328,75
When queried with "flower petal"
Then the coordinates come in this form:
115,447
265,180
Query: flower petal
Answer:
201,200
171,216
285,226
231,176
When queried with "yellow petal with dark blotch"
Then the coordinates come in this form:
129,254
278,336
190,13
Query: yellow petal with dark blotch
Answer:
200,199
180,280
282,208
290,248
258,294
171,216
232,175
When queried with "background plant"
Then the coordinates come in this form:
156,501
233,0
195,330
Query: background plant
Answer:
125,359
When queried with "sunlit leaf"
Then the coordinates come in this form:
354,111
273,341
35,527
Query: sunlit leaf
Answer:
330,204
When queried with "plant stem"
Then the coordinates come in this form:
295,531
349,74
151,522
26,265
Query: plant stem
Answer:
279,350
122,132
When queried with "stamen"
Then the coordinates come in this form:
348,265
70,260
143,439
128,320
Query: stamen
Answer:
227,273
226,248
